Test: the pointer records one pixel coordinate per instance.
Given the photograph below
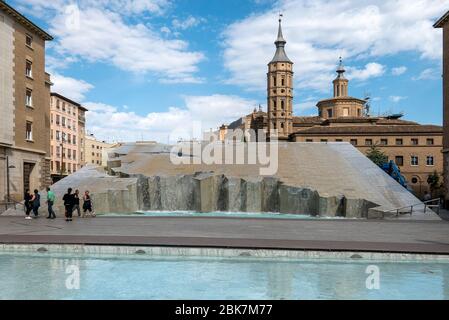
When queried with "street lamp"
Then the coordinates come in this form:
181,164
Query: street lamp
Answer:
62,156
8,195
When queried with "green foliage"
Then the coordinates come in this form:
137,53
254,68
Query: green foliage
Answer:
434,181
377,156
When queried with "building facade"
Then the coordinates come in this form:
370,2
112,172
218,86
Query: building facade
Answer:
443,23
67,134
415,148
24,105
96,151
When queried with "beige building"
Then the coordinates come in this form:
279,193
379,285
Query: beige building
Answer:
415,148
67,134
24,105
443,23
96,151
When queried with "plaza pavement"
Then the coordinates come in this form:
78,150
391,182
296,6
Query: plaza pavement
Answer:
401,236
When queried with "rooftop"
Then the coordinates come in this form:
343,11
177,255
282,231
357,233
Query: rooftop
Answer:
442,21
381,129
24,20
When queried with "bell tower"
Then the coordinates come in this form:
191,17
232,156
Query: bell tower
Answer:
341,83
280,90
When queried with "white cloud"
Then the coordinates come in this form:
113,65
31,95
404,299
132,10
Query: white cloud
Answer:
371,70
399,71
69,87
101,32
319,31
428,74
187,23
397,99
109,123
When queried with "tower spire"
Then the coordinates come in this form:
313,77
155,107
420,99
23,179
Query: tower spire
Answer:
341,69
280,42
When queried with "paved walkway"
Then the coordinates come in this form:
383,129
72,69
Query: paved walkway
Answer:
338,235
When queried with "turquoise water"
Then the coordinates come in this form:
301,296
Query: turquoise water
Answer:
44,276
214,214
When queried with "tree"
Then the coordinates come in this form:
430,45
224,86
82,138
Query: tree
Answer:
434,182
377,156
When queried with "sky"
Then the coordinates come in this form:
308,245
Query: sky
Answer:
149,69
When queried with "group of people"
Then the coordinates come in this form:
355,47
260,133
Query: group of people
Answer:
71,203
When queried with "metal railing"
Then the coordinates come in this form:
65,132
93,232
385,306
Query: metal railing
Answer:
427,204
12,204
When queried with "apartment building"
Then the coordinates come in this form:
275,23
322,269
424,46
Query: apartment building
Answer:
96,151
24,105
67,135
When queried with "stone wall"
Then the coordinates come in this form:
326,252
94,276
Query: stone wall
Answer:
208,192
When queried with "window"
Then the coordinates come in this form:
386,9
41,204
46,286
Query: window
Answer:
399,161
359,112
383,142
51,118
63,122
324,140
29,98
29,40
283,82
339,140
309,140
74,155
329,113
63,106
93,147
399,142
58,135
415,180
74,140
354,142
345,112
58,152
414,161
415,142
29,69
29,131
69,138
282,104
58,119
64,137
57,104
430,161
430,142
368,142
69,153
51,134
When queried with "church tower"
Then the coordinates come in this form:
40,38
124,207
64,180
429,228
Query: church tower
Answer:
280,90
341,83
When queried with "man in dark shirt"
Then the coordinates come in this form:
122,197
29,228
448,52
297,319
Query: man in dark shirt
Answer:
69,202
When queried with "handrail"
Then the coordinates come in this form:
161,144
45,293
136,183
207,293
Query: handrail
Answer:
425,203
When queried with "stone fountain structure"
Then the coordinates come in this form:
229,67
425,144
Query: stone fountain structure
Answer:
320,179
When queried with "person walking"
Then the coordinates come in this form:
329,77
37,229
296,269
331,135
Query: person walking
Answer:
50,202
87,204
76,200
68,204
28,204
36,203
